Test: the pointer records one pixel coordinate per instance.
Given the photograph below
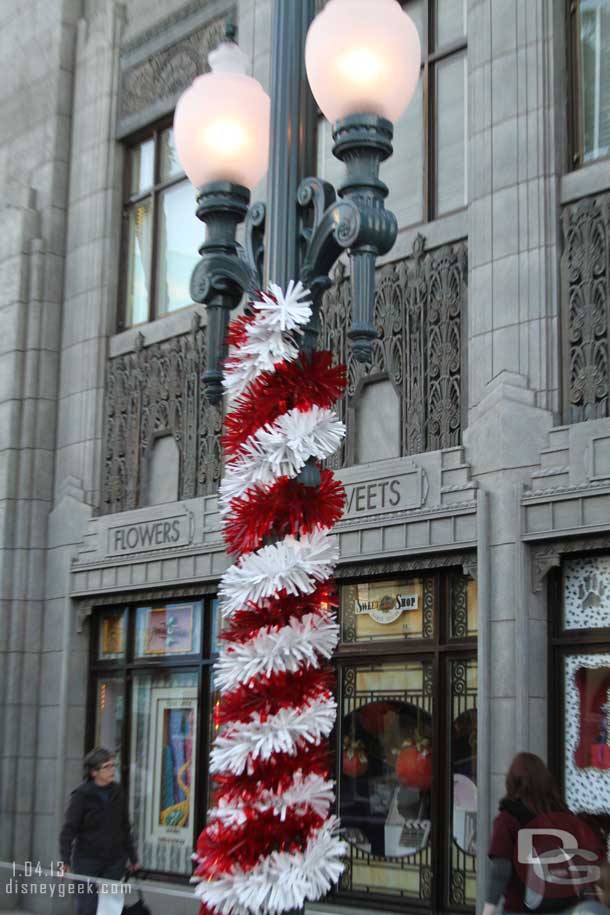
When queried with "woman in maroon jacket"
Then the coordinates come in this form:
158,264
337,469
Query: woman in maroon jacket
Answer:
554,883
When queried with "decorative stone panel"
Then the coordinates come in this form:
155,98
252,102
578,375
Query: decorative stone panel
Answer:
420,304
151,392
586,313
162,63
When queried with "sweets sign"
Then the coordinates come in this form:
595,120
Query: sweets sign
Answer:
388,608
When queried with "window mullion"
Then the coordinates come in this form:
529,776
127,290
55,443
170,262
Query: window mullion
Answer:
153,257
576,80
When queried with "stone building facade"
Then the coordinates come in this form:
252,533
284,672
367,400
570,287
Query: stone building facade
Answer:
477,460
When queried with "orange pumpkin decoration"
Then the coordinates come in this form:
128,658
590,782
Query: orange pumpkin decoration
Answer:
355,761
414,764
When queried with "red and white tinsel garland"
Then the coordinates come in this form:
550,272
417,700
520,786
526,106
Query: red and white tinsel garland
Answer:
271,842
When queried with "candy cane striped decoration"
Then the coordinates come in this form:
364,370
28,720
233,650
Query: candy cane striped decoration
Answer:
271,843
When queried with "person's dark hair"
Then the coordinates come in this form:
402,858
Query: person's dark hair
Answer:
529,781
95,759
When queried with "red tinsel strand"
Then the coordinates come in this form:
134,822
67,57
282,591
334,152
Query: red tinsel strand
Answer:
244,624
301,384
268,695
222,848
285,508
238,330
264,513
272,774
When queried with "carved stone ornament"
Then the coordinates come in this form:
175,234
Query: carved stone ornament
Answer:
586,283
548,556
168,72
153,391
417,564
419,304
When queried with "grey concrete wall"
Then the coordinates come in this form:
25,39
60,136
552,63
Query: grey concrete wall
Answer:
515,53
37,53
516,113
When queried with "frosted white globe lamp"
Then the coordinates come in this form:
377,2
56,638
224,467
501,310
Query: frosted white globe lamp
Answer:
221,124
362,57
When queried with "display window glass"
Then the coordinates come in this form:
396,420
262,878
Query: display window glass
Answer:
151,702
580,728
164,711
586,593
407,739
174,629
111,644
387,610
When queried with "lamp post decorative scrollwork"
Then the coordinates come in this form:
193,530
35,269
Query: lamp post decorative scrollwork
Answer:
363,62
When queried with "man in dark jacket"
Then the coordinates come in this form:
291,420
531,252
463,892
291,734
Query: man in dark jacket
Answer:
97,825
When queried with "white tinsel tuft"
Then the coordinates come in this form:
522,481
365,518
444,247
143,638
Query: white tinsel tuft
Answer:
270,337
312,792
292,565
285,311
239,742
282,881
275,650
281,449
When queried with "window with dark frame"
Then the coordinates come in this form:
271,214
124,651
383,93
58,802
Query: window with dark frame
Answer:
579,684
151,701
161,233
427,175
406,737
589,68
407,740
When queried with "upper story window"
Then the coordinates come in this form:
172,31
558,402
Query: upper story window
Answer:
162,234
591,80
427,175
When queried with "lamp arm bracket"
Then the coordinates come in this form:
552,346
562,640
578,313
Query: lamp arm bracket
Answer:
223,274
317,195
337,230
254,252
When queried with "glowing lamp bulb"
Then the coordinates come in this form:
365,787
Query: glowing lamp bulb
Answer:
362,57
221,125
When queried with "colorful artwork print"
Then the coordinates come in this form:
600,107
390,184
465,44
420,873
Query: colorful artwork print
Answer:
112,641
176,767
169,630
172,748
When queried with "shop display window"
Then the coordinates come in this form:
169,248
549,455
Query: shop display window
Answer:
407,796
150,688
580,629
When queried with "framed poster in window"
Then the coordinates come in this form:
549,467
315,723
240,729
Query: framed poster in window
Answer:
174,721
111,635
163,754
170,630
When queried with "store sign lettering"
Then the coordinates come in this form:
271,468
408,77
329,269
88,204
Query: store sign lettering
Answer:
149,535
390,494
381,494
388,608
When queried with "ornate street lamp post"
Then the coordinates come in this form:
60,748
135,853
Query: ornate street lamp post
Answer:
363,61
272,842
